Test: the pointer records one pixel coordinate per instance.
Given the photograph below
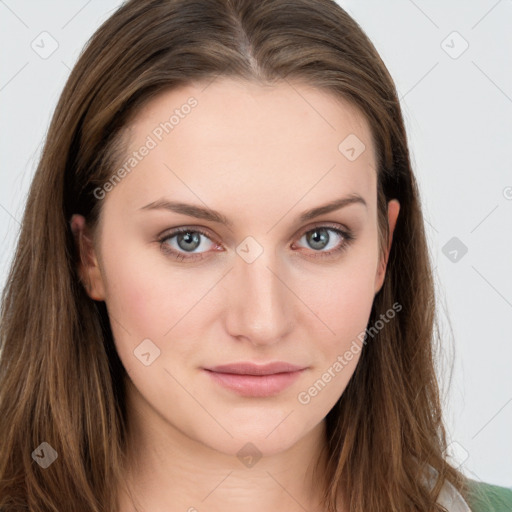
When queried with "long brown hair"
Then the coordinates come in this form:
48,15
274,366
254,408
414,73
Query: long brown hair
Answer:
61,380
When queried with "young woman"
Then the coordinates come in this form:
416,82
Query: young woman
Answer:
221,297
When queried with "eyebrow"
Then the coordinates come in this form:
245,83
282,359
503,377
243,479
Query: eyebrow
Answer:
215,216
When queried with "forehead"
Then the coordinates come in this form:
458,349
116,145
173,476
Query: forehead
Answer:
214,138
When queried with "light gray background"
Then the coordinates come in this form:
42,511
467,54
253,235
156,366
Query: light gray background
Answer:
458,110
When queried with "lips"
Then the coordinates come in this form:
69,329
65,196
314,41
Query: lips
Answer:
247,368
253,380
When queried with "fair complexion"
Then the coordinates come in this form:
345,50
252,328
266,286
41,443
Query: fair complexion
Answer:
261,156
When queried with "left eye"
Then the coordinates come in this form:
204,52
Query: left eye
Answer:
319,238
189,240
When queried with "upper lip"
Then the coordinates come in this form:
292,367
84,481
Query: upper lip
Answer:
248,368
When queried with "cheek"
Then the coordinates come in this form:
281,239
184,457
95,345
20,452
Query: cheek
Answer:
143,292
344,305
143,307
343,297
136,298
147,298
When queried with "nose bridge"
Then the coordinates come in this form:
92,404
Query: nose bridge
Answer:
260,306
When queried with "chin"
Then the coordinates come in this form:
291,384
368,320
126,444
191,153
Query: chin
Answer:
268,432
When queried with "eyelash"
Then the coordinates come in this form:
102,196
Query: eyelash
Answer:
347,236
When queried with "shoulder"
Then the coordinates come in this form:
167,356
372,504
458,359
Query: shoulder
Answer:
485,497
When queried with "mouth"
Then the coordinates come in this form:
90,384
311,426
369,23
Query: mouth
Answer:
252,380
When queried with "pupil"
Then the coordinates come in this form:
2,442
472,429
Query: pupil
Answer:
320,238
189,238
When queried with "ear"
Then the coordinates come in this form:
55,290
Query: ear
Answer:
393,209
88,267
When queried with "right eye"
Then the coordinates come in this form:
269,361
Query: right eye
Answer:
186,241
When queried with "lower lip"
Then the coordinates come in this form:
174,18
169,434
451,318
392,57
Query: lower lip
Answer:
256,385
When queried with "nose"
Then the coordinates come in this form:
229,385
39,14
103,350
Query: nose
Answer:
259,306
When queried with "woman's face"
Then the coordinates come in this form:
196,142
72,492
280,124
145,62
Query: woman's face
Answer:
261,280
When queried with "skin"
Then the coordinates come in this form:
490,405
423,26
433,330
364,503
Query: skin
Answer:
260,155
